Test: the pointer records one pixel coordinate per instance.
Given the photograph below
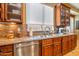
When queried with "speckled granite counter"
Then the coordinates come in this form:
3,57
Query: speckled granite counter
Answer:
26,39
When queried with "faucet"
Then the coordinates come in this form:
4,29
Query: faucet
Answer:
47,30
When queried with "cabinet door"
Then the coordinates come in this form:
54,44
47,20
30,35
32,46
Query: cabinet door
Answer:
1,12
47,50
57,47
65,45
47,47
74,41
13,12
70,43
7,50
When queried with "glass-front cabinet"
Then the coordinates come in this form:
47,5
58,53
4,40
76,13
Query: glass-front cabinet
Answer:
13,12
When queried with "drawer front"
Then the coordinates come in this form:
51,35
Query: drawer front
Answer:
6,54
47,41
57,40
7,48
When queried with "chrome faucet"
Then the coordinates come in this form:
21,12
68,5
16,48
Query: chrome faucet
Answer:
47,30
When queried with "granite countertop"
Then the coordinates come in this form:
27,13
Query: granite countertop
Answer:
26,39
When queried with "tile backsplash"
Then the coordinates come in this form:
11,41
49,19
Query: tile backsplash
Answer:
8,30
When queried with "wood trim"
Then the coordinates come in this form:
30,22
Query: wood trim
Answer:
5,8
23,19
2,12
57,14
71,15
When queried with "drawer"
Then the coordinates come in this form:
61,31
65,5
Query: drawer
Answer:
65,38
6,54
47,41
6,48
57,40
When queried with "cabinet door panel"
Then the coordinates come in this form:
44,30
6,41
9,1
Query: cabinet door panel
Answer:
13,12
74,41
6,54
70,44
65,45
47,50
57,49
47,41
57,46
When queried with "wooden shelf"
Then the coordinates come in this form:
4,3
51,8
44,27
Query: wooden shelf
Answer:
15,7
14,21
14,14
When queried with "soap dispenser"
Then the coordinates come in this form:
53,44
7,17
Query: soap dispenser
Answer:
30,32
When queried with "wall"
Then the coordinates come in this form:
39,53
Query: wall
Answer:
37,14
77,31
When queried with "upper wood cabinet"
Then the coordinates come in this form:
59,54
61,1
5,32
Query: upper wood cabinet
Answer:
11,12
62,14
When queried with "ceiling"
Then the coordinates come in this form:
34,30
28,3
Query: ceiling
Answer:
75,5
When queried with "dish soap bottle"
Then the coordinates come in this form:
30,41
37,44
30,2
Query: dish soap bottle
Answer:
30,32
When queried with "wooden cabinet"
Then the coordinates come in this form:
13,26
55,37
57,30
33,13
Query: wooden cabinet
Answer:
74,41
51,47
62,14
68,43
65,45
1,12
11,12
47,49
7,50
57,47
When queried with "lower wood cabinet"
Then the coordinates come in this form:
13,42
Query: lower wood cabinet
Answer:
65,45
7,50
58,46
51,47
47,49
74,40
